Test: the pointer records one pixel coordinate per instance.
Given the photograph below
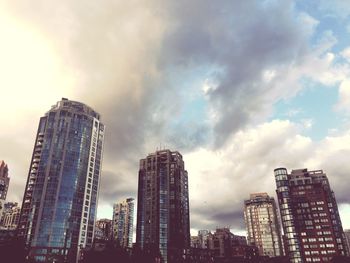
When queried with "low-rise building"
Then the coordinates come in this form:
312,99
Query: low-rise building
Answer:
227,246
103,229
10,216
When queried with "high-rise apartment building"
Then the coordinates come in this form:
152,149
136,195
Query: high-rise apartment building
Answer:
163,208
123,222
263,229
4,185
310,218
60,200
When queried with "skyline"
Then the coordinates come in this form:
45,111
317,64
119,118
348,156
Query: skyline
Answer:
237,95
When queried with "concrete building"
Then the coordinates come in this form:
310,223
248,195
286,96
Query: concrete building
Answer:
104,229
310,217
60,200
163,207
195,243
4,185
347,238
203,238
263,229
123,222
227,247
10,216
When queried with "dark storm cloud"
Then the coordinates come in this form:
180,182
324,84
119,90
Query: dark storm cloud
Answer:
232,219
117,186
206,217
242,39
125,56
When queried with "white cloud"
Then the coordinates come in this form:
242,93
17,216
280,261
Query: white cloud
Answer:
344,210
307,123
346,53
243,166
344,96
220,180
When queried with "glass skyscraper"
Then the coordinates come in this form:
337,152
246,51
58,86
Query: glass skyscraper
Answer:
60,200
163,208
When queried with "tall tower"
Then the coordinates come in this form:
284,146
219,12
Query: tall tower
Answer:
310,216
163,208
123,222
4,185
260,214
60,200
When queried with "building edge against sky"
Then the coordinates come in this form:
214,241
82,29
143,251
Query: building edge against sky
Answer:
60,200
311,223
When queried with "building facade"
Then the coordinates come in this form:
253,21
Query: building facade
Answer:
310,218
195,243
123,222
10,216
60,200
228,247
263,229
104,229
347,238
4,185
203,238
163,207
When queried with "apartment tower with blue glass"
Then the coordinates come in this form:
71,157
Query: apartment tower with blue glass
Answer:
163,223
60,200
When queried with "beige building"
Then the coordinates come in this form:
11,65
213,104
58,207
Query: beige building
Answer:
203,238
103,229
347,238
228,247
195,243
10,216
4,185
123,217
263,229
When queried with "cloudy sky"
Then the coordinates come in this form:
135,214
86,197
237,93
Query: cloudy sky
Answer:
238,87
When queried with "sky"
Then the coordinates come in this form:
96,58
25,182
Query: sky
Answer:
238,87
